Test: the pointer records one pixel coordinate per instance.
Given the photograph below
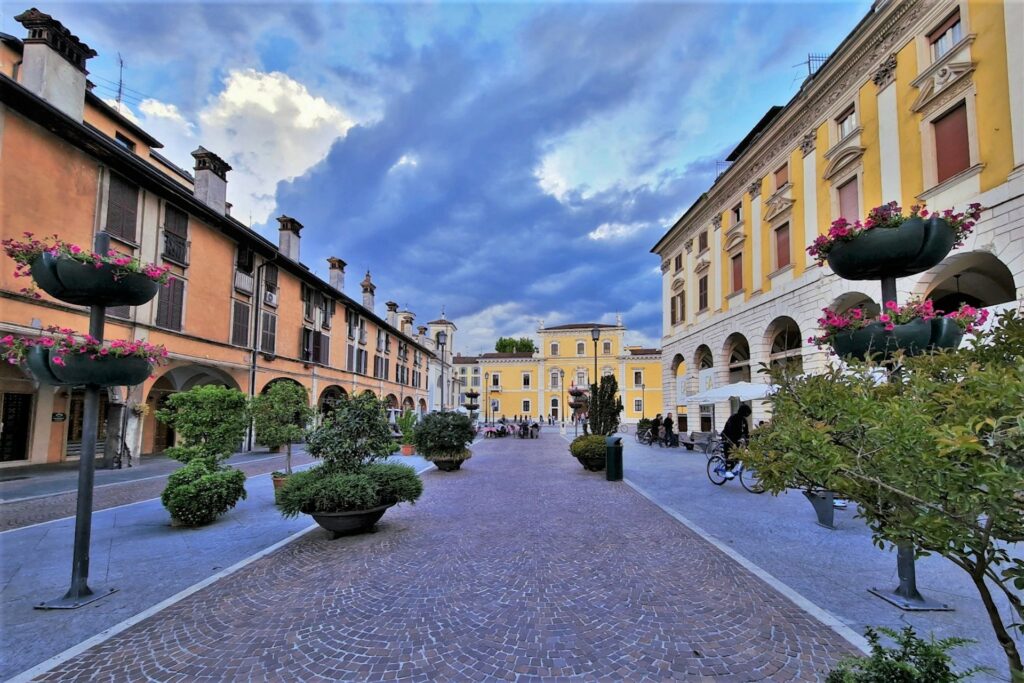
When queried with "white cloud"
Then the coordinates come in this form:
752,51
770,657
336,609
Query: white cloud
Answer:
405,160
478,331
615,231
268,126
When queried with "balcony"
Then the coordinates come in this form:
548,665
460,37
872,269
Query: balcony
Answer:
175,249
244,282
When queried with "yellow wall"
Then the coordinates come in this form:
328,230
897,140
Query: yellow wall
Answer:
911,173
871,163
991,80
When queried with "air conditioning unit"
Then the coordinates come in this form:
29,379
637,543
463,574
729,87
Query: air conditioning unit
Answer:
270,298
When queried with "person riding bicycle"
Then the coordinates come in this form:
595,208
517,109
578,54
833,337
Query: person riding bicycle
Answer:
736,432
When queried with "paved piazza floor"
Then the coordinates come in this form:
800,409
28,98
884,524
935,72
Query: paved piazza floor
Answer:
519,566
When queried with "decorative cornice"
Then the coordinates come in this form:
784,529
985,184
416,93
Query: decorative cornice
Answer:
665,265
754,188
849,155
943,86
702,266
886,72
689,245
809,142
716,221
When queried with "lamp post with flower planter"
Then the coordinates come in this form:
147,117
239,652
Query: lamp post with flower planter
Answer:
99,279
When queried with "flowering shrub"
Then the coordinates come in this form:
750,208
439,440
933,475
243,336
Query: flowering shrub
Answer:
889,216
968,318
833,323
64,342
24,253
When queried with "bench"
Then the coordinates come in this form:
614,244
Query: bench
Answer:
697,439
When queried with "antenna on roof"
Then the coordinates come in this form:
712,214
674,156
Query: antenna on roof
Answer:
721,167
813,63
120,80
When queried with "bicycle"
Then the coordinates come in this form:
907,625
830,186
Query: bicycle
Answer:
646,436
748,476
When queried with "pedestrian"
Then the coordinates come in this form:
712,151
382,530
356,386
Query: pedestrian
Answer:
668,430
736,432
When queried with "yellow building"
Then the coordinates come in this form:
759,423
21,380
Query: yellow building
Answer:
536,385
922,103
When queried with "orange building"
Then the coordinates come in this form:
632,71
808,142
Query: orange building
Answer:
239,311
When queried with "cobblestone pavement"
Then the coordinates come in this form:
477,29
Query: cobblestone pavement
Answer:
519,566
21,513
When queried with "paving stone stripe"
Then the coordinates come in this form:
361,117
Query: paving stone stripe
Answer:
520,566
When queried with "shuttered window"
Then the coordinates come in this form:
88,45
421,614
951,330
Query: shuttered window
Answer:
702,241
849,203
268,332
323,348
170,304
306,344
781,176
737,272
175,235
782,246
240,324
122,208
119,311
270,277
952,151
702,293
244,259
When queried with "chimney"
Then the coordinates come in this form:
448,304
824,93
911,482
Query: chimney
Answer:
368,289
288,237
211,186
336,275
392,314
53,63
421,332
407,318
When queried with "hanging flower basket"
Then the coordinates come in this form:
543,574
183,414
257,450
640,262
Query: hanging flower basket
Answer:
874,339
106,371
915,246
946,333
86,284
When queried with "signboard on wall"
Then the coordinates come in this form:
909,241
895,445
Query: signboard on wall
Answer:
705,380
58,417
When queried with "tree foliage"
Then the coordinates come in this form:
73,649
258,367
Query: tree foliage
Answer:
356,433
605,407
513,345
933,457
912,660
200,491
281,415
444,436
208,421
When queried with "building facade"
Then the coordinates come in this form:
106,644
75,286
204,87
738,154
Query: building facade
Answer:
536,384
922,103
239,310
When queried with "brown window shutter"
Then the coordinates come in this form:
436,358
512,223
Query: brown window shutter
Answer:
270,275
176,221
177,304
324,354
163,305
737,272
782,176
122,207
268,336
351,360
952,151
240,324
848,200
119,311
782,246
675,318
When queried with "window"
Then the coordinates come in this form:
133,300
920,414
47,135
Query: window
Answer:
638,377
677,308
846,122
124,141
702,241
170,303
175,235
607,348
381,367
270,284
308,302
607,372
496,379
554,348
737,272
240,323
244,259
678,262
781,176
782,246
638,405
526,405
952,151
122,208
268,332
849,201
945,36
580,348
526,380
702,293
581,378
737,214
554,379
326,312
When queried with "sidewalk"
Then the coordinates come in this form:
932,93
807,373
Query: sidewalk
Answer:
134,549
833,569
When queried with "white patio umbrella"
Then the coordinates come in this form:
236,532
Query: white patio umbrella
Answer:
744,391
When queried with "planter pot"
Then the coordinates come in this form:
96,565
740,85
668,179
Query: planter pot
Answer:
448,465
946,334
84,284
408,449
107,371
595,464
913,338
914,247
347,523
279,482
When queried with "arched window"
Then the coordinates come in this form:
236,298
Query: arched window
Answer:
554,379
739,358
786,346
704,359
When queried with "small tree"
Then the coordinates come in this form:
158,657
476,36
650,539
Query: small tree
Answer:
406,424
444,436
355,434
605,407
280,416
513,345
209,421
934,457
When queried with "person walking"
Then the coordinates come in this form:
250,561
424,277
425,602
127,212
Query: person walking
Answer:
669,441
736,432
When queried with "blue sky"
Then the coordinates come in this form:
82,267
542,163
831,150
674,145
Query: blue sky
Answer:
508,162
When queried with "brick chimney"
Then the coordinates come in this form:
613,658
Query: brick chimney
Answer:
211,186
53,63
368,289
406,318
336,274
421,332
392,317
288,237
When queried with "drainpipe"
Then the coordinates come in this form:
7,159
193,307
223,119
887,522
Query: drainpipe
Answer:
258,316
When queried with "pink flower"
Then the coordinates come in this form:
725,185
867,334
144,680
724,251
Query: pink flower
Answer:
884,318
57,360
892,305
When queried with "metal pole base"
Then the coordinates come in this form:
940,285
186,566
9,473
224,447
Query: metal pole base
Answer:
74,602
915,603
824,507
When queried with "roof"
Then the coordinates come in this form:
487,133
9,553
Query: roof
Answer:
510,354
754,133
173,166
13,42
464,360
579,326
442,321
122,120
644,352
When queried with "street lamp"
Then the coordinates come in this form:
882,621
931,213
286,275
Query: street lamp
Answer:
442,339
595,334
643,402
487,395
561,406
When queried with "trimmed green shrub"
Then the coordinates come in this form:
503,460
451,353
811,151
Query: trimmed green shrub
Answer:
407,425
200,491
280,416
591,446
444,436
355,434
324,489
209,421
913,660
395,481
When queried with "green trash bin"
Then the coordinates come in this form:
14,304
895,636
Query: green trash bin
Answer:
613,458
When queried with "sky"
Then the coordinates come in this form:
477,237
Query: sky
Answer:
505,163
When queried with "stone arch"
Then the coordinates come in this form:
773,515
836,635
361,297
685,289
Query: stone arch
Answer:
703,358
157,436
785,345
976,278
848,300
391,400
278,380
368,392
329,398
423,406
736,352
408,403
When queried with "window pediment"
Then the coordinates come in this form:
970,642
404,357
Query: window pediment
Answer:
734,242
779,203
678,284
702,266
939,85
841,161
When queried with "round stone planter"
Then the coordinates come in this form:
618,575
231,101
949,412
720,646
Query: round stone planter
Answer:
347,523
448,465
914,247
592,464
84,284
106,371
946,334
912,338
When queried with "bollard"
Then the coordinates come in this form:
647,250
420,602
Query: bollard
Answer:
613,458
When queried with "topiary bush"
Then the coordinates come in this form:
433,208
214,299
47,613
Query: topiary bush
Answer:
201,491
605,407
913,660
591,447
444,436
355,434
208,421
324,489
280,416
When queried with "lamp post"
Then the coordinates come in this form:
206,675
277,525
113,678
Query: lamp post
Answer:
595,334
643,402
561,406
487,396
442,339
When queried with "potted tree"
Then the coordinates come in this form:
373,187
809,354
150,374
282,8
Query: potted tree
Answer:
280,416
209,423
603,418
351,489
442,439
406,424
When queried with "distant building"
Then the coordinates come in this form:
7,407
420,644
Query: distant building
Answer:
922,103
